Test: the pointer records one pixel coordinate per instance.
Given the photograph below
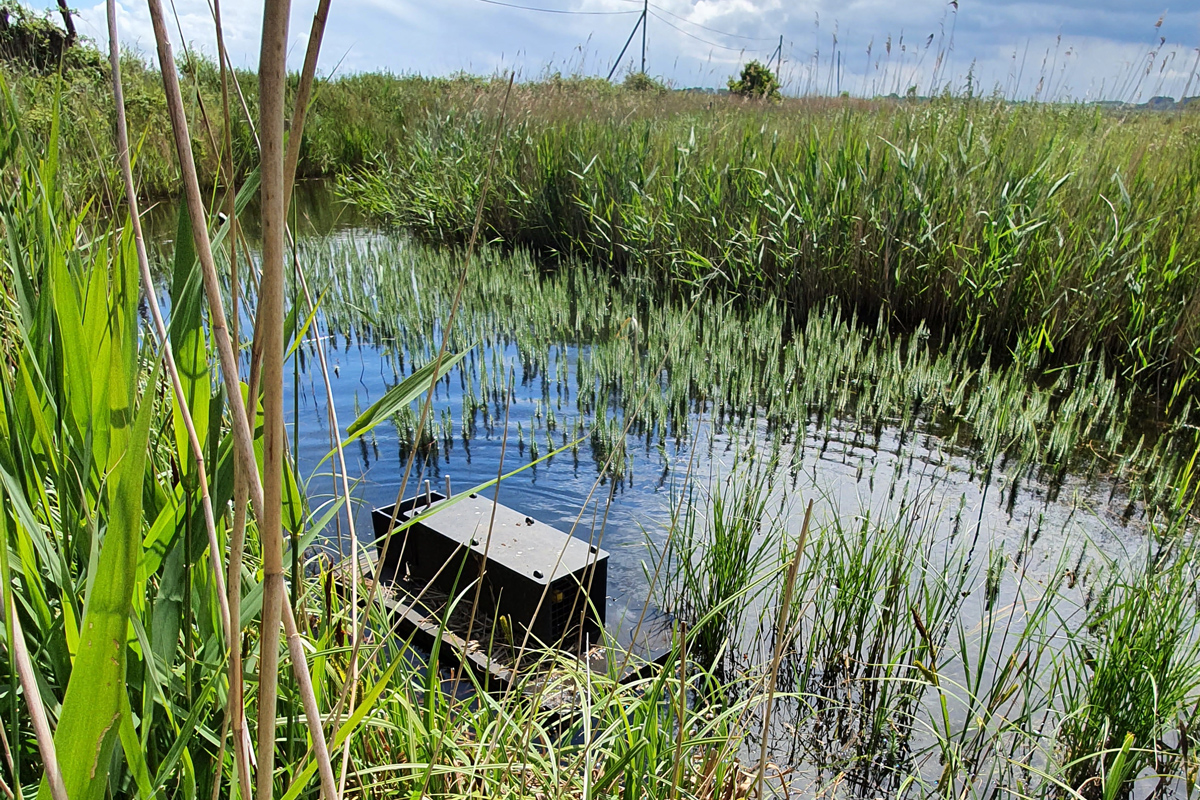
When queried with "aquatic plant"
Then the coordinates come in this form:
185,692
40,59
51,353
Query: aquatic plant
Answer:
835,373
1044,234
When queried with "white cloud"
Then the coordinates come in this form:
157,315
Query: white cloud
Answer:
1104,46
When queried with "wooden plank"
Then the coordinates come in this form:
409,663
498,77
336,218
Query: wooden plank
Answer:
416,623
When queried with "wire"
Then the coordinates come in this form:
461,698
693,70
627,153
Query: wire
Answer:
712,30
557,10
669,24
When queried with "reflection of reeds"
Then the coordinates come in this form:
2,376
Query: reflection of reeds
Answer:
744,365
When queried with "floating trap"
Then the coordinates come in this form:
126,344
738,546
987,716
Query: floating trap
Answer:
544,581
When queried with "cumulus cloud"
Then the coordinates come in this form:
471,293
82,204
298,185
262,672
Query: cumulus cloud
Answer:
1063,48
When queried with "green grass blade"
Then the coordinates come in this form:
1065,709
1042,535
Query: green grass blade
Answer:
87,730
400,395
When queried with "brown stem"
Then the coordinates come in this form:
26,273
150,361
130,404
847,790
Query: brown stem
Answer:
68,22
236,709
37,712
241,741
303,95
243,440
272,86
344,487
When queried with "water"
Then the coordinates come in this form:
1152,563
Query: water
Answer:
581,360
846,472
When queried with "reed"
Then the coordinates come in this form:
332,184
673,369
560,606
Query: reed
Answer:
1044,234
892,647
836,376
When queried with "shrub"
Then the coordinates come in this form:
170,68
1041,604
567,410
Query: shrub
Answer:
756,80
641,82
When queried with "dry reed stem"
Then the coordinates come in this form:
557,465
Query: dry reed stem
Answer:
243,438
303,95
33,701
241,737
269,320
159,325
345,490
220,332
781,636
236,710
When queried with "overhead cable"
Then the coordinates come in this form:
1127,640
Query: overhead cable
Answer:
712,30
557,10
670,24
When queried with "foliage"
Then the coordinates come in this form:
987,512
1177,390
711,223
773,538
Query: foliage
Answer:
744,364
641,82
34,42
104,561
1047,235
1081,681
757,81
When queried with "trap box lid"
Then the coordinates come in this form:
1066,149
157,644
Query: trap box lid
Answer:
522,544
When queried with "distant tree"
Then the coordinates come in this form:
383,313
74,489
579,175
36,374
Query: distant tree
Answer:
641,82
756,80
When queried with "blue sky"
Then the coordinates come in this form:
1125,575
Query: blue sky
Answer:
1093,49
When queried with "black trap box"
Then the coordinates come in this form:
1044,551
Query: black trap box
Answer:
528,562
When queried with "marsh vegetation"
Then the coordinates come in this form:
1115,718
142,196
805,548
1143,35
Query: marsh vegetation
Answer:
965,330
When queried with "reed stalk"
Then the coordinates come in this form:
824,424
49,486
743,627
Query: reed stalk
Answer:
33,701
160,328
235,708
303,96
344,486
231,634
782,635
239,422
269,320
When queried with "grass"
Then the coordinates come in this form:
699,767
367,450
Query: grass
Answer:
926,664
925,657
1045,235
886,681
352,118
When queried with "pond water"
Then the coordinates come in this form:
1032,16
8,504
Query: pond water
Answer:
576,382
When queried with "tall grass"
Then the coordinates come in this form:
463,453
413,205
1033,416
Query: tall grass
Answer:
884,681
1044,234
926,661
1081,679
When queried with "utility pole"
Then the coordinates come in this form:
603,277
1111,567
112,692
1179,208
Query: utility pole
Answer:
779,60
645,11
642,23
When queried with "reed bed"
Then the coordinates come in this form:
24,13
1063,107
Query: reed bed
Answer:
913,655
741,367
102,524
885,681
924,660
1044,234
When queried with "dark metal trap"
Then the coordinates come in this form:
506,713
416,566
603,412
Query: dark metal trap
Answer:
544,581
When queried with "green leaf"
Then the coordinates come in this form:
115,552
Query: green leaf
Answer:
134,755
188,340
400,395
91,712
368,702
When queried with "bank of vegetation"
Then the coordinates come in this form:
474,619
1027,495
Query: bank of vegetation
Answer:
1047,234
